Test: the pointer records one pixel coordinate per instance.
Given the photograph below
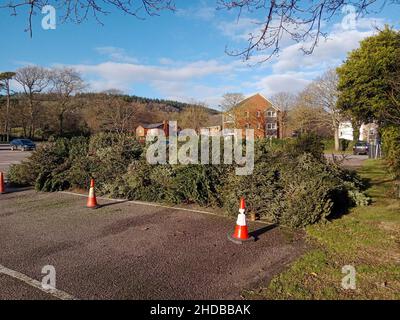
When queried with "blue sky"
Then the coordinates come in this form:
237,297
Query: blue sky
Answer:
178,55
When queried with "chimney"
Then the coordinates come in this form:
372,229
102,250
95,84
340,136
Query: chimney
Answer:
166,128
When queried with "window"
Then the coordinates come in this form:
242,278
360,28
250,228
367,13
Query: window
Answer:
271,126
247,114
258,125
258,113
271,114
247,126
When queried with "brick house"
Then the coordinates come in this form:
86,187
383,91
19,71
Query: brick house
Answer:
142,130
255,112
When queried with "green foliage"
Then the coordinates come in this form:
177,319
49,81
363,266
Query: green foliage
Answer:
292,184
64,163
295,187
391,148
110,154
365,77
260,189
307,143
304,181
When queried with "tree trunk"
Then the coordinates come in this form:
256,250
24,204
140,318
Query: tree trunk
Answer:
356,130
61,123
8,112
336,137
30,115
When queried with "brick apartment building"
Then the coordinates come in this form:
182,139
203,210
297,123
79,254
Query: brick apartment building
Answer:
258,113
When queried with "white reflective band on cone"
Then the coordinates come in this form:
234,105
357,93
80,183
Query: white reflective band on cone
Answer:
241,220
91,192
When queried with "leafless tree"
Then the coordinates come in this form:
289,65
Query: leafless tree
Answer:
113,113
194,117
33,80
230,100
285,101
306,116
322,92
300,21
5,78
77,11
66,82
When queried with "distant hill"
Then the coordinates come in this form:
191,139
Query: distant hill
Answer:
88,114
157,110
157,104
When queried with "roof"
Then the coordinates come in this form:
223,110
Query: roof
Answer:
260,95
152,125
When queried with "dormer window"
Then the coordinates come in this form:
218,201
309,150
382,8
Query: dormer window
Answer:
271,114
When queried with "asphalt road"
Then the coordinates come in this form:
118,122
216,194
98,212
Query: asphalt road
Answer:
132,251
8,157
348,160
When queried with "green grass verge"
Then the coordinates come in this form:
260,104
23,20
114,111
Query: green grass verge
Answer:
367,238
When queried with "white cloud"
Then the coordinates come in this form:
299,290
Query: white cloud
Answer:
292,70
208,80
116,54
239,30
130,72
201,12
274,83
328,53
178,80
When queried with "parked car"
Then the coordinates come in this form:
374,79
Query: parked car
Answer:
22,144
361,147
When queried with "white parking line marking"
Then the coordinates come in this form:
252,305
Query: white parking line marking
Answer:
36,284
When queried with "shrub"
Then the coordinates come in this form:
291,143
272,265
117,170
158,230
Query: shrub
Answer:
259,189
110,154
292,183
391,148
21,175
198,184
307,192
295,191
306,143
64,163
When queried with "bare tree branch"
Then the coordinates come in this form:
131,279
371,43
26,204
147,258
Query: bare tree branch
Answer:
297,20
77,11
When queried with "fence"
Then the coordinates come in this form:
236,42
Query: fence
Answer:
375,151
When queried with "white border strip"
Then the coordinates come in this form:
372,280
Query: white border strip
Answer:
36,284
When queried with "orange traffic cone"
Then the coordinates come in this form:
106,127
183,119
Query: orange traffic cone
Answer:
2,187
241,233
92,202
